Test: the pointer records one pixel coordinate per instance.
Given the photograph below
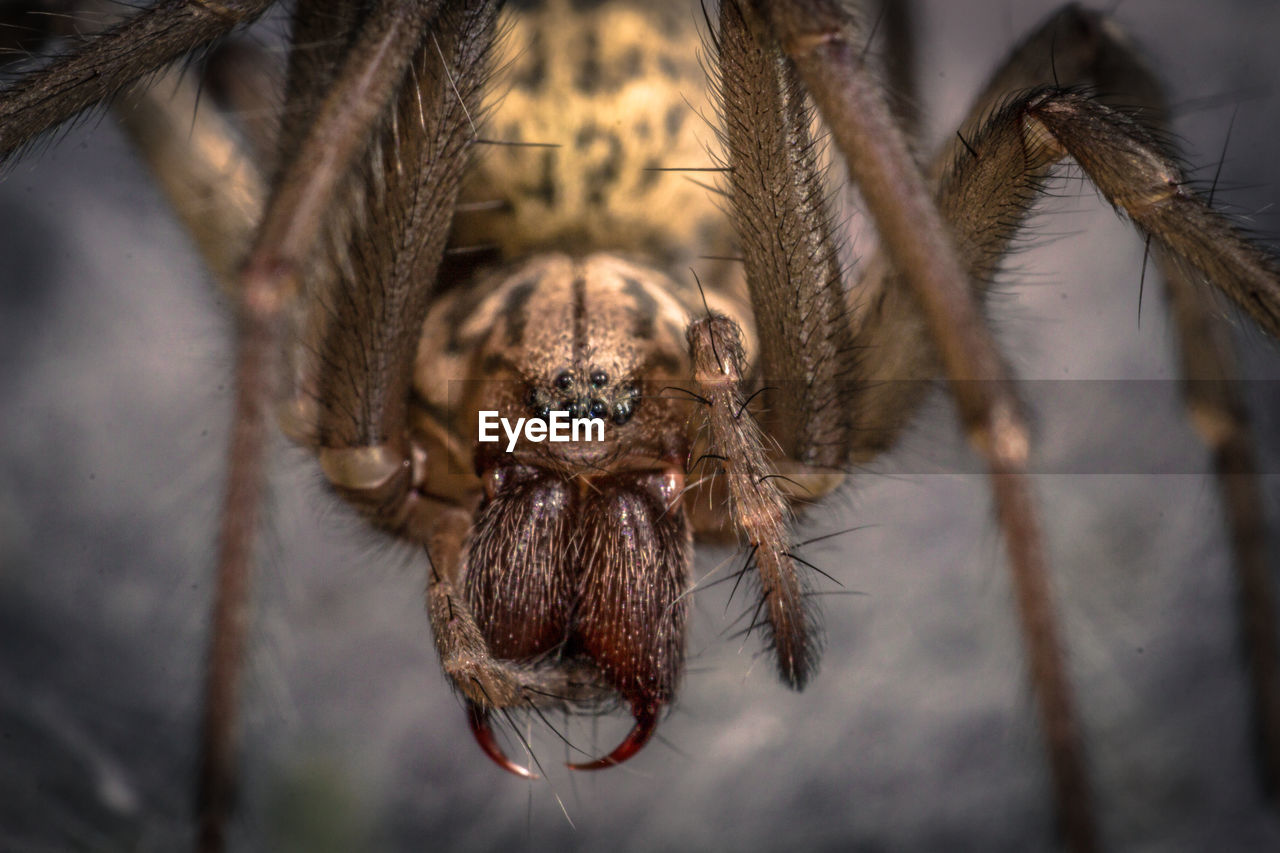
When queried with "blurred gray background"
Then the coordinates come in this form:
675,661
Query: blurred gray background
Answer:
919,732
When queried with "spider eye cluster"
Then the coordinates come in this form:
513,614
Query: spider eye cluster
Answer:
590,394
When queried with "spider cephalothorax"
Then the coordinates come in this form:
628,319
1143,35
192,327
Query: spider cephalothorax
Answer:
579,550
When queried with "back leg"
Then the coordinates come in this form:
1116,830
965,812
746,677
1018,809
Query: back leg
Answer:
1014,146
1214,404
1083,48
107,62
210,166
985,191
279,242
896,20
1094,54
202,163
826,46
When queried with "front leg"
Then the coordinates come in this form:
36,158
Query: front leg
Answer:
757,505
826,46
783,220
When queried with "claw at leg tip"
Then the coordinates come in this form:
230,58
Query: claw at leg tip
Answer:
478,719
646,724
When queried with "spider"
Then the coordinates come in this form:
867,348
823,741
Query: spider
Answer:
852,677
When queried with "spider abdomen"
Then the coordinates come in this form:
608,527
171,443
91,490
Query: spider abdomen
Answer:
593,111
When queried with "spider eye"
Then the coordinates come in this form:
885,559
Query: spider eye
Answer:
563,380
598,408
599,379
621,413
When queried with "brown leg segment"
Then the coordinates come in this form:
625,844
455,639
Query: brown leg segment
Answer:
756,503
825,44
108,62
210,179
985,190
897,24
1004,163
1132,172
267,286
783,221
1219,417
1076,47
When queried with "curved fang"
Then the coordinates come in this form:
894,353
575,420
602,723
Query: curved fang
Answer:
646,725
478,718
